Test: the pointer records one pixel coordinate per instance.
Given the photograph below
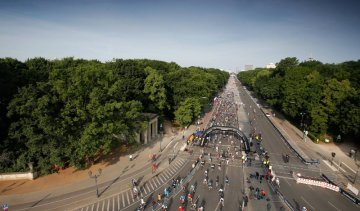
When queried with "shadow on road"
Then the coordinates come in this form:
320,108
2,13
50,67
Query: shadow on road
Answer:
38,202
297,206
11,186
109,185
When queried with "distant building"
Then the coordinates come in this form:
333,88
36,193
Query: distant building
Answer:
249,67
270,66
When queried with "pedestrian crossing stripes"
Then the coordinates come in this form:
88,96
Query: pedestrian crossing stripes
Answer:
125,199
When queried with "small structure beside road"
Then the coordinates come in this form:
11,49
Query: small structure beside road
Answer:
152,130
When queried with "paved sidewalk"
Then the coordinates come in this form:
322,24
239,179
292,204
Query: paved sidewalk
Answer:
14,194
322,151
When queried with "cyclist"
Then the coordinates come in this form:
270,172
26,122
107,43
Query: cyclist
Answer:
205,181
222,201
210,185
190,197
142,202
192,189
182,199
277,182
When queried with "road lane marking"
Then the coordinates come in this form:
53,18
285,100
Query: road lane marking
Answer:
217,206
165,174
92,207
168,174
161,176
123,199
127,197
172,171
329,165
287,182
118,201
310,187
108,204
87,208
226,169
148,188
113,200
152,187
284,177
157,180
164,178
177,165
307,203
333,206
103,204
127,192
97,207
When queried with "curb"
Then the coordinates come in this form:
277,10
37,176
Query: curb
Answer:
311,161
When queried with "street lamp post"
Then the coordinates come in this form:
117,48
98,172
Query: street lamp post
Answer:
95,176
161,131
302,118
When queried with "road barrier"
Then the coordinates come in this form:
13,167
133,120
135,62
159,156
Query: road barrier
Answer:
316,182
281,196
343,192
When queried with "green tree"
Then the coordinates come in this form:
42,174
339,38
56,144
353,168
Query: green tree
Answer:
187,111
286,64
294,91
154,87
334,94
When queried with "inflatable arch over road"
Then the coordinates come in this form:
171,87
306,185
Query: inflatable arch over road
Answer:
228,129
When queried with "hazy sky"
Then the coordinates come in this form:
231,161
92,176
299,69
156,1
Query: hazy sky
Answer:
209,33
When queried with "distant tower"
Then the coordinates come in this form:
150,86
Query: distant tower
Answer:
249,67
311,58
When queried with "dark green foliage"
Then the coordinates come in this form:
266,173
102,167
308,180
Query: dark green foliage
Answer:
70,111
328,94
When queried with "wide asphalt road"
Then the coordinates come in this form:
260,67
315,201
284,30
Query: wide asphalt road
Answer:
299,195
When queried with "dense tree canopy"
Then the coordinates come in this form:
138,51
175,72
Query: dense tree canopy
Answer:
328,94
70,111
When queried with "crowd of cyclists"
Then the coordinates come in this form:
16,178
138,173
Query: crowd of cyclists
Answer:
212,162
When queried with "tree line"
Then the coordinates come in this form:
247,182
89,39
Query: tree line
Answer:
324,97
69,111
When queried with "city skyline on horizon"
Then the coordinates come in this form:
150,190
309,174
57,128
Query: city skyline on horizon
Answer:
226,35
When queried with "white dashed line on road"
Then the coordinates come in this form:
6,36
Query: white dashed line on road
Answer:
147,188
312,208
127,197
287,182
152,187
158,181
333,206
118,200
97,207
123,199
310,187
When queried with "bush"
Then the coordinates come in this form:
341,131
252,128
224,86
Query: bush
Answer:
326,136
312,137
